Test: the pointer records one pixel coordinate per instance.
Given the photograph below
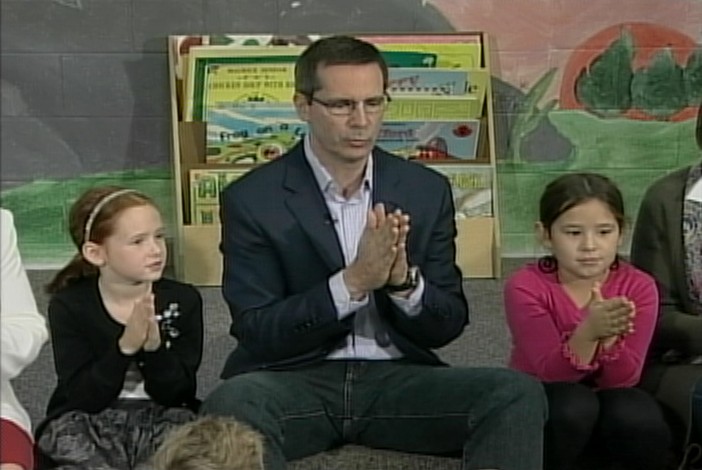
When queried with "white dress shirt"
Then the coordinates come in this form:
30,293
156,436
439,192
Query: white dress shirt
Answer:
348,214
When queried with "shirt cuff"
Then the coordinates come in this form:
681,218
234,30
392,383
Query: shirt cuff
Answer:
411,305
612,353
345,306
573,359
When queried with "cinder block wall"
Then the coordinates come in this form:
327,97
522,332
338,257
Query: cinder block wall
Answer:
85,82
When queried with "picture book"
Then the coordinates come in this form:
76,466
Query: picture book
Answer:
222,74
434,108
431,140
247,133
205,186
471,187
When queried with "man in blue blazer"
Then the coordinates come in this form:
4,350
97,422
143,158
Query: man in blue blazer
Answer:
339,271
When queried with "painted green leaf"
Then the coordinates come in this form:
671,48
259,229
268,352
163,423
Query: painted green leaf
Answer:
659,89
604,88
528,115
693,78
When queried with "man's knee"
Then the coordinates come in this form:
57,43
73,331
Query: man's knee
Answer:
523,390
238,397
522,385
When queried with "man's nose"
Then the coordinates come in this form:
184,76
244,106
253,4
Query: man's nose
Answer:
359,115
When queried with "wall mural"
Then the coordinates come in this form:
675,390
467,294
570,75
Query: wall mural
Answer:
574,89
579,90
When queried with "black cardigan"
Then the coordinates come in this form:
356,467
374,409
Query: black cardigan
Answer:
90,367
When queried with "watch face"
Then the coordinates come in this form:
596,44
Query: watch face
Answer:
411,281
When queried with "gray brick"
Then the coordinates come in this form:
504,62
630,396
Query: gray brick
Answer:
344,16
241,16
32,148
428,19
63,147
31,85
149,143
118,143
116,85
48,26
154,21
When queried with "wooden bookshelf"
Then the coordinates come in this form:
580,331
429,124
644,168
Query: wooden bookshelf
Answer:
196,256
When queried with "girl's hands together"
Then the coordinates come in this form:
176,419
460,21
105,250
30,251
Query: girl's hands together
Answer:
141,329
610,318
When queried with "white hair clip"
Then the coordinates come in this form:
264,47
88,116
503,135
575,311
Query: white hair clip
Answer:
98,207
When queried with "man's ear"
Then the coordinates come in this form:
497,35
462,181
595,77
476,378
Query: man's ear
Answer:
93,254
542,235
302,106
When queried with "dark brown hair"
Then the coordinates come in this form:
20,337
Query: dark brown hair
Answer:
101,227
334,50
570,190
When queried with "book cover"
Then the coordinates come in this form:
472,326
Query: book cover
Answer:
247,133
434,108
205,186
252,133
428,141
181,44
471,187
236,83
417,81
205,214
254,73
440,55
204,63
447,82
426,38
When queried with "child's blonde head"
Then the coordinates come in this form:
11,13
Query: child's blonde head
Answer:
211,443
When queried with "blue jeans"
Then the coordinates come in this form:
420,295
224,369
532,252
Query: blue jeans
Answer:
494,417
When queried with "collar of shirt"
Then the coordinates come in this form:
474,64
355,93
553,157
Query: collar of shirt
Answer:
325,181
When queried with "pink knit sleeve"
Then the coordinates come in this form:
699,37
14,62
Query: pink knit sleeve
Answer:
539,347
623,362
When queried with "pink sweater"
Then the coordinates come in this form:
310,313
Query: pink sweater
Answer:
541,317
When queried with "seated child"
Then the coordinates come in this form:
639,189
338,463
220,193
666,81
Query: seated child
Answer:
581,321
127,343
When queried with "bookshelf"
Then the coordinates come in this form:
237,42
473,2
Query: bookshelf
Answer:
441,115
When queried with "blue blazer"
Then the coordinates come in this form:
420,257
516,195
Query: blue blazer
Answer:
280,248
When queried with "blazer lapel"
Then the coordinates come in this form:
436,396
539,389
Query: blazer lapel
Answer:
307,205
385,183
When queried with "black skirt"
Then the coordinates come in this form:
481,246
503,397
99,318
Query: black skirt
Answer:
122,437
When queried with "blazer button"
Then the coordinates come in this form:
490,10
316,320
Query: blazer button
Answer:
382,338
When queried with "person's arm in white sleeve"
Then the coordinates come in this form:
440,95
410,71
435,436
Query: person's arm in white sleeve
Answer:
23,328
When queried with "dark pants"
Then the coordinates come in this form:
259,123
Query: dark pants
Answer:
495,417
692,457
696,435
623,425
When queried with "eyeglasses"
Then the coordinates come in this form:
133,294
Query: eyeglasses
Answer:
345,107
